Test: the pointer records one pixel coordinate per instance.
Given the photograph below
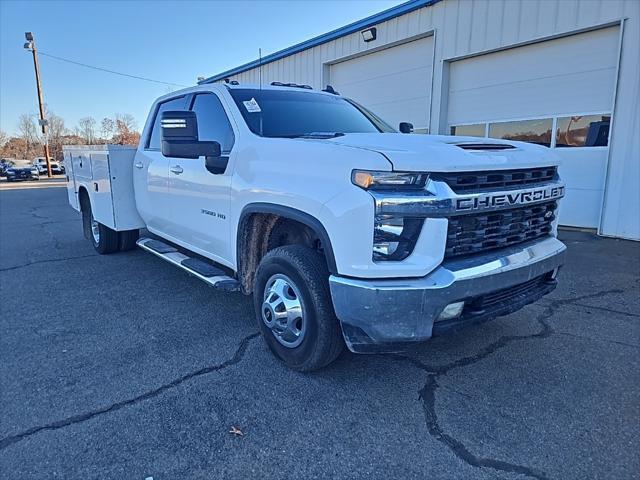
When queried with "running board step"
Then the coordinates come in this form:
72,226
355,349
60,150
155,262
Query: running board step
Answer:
206,272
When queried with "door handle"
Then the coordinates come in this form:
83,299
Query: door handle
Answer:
177,169
138,165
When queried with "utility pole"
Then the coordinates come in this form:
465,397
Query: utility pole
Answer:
31,45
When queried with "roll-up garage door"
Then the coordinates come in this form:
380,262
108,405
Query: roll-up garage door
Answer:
558,93
394,83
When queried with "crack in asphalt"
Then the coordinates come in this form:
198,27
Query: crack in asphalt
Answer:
610,310
83,417
48,260
427,394
601,340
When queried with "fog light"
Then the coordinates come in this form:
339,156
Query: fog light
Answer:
394,238
453,310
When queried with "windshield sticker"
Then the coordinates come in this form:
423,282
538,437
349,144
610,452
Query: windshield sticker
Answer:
252,106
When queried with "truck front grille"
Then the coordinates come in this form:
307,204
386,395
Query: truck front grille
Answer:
467,182
480,232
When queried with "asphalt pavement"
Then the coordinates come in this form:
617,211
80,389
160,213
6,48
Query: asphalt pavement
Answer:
123,367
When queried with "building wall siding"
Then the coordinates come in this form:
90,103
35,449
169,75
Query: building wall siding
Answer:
471,27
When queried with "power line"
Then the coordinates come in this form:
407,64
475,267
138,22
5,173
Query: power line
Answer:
109,71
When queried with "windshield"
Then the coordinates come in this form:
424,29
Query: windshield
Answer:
290,114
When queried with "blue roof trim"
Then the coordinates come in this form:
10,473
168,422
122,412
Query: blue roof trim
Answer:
393,12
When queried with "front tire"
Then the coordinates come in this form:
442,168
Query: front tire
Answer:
294,309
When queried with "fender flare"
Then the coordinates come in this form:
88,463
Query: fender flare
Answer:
293,214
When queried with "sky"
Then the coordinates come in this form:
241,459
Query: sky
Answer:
171,41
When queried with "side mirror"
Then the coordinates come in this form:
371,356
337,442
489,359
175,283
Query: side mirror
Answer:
180,136
405,127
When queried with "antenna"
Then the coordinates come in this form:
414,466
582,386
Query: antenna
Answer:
260,65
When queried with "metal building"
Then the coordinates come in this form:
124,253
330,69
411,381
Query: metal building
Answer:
563,73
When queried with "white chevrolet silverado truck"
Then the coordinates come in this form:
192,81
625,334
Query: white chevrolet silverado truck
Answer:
343,230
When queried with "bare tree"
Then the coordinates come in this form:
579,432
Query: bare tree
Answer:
57,132
87,127
4,138
28,132
125,133
127,121
107,128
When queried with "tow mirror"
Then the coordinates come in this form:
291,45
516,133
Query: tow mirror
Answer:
405,127
180,137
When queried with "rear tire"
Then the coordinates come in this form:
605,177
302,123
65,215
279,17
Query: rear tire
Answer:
103,239
294,309
127,239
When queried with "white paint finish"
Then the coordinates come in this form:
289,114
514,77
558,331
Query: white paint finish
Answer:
311,176
409,152
72,189
105,171
567,75
151,187
125,211
395,83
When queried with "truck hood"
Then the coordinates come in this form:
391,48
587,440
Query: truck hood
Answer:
443,153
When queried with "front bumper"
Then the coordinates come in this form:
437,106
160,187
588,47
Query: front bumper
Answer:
21,176
383,315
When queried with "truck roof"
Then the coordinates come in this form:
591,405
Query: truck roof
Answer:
248,86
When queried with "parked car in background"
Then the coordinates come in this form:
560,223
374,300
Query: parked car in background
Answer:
41,164
4,164
28,172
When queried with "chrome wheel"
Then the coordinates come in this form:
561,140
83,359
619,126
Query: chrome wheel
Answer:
282,311
95,230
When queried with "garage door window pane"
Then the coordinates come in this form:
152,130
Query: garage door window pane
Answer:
532,131
583,131
475,130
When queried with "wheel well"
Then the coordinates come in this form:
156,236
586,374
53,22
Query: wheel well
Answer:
258,233
83,199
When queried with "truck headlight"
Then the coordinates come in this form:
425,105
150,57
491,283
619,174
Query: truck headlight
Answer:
370,180
394,238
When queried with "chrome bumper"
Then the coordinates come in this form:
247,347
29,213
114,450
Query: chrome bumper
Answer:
382,315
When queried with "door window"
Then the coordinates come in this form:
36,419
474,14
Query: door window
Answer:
173,104
213,123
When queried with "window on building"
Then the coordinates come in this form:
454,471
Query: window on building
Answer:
213,123
173,104
474,130
583,131
532,131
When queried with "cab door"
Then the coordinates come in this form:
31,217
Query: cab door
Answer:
200,199
151,173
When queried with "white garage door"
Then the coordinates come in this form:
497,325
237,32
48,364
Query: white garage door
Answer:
394,83
558,93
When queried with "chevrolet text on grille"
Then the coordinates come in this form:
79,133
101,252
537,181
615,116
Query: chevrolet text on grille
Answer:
502,199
